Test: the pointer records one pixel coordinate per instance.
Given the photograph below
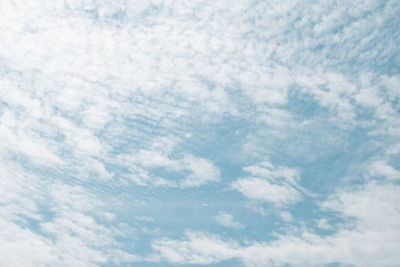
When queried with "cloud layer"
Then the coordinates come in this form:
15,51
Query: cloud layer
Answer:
256,133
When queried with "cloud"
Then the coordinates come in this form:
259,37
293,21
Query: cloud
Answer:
227,220
195,171
286,216
202,171
382,169
367,238
197,248
268,183
263,190
324,224
47,223
103,101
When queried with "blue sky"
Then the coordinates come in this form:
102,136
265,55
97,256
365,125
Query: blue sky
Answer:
196,133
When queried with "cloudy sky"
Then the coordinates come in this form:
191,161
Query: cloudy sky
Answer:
196,133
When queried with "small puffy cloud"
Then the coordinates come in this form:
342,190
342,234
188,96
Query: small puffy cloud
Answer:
260,189
268,183
368,97
227,220
152,159
195,248
201,171
380,168
286,216
324,224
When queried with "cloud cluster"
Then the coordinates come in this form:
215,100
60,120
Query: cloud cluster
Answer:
103,100
45,223
368,238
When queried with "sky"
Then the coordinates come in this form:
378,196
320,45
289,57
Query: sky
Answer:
199,133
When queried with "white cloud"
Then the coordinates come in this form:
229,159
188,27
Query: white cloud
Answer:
368,237
197,248
227,220
381,168
68,231
202,171
263,190
196,171
85,81
330,90
268,183
324,224
286,216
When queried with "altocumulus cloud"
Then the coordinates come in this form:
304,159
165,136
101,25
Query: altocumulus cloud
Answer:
256,133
